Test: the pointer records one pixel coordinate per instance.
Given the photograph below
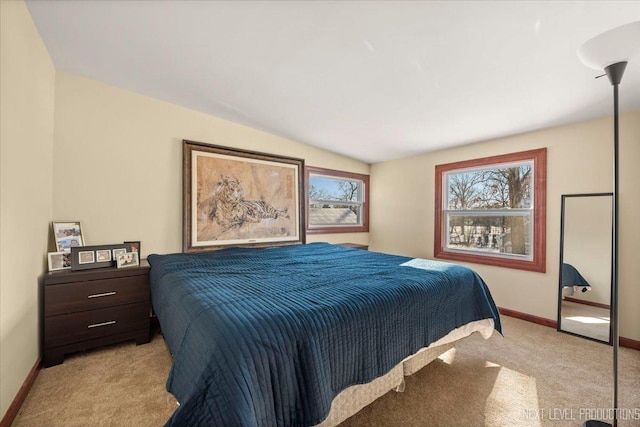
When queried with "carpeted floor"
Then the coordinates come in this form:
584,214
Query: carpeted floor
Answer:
534,376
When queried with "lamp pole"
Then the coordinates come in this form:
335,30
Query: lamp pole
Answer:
612,50
614,73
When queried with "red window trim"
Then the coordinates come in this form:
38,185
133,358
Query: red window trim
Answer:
538,263
364,228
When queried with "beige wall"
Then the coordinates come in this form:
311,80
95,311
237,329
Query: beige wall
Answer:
579,161
118,162
27,82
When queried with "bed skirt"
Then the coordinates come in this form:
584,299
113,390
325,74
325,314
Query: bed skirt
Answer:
353,399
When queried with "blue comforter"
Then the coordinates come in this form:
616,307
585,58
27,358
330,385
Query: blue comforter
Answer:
572,277
268,337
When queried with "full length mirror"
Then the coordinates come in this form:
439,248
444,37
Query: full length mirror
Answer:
584,302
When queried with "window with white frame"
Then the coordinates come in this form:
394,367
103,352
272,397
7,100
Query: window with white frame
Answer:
492,210
337,201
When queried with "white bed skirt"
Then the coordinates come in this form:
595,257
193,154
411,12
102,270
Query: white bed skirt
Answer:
353,399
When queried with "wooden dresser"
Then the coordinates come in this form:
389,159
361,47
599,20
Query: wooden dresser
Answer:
91,308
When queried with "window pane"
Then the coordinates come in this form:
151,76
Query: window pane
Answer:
496,187
327,188
493,234
323,190
334,214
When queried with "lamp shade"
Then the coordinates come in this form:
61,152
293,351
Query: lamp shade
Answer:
616,45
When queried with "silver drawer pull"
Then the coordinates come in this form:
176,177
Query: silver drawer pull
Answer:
97,325
106,294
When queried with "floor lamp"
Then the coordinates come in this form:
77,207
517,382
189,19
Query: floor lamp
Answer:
611,51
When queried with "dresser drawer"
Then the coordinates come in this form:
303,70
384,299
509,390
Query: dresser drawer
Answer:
89,295
86,325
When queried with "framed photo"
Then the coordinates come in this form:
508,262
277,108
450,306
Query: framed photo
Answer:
128,259
86,257
103,255
99,256
59,261
118,252
135,246
67,235
240,198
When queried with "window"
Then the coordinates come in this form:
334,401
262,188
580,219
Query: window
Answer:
492,210
337,202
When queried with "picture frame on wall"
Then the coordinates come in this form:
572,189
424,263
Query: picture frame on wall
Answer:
59,261
67,234
235,197
97,256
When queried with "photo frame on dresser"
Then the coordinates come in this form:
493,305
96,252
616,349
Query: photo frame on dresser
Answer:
67,234
98,256
128,259
135,245
235,197
59,261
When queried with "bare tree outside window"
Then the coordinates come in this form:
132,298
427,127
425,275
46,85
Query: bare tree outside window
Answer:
498,192
496,189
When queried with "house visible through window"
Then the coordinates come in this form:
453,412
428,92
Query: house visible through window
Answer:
492,210
336,201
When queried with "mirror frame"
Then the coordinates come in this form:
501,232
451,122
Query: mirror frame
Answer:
562,224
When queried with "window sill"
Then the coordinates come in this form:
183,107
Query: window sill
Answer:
534,265
332,230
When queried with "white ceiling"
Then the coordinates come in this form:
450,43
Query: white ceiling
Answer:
372,80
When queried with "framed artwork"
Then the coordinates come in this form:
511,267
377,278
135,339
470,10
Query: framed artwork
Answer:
135,246
59,261
67,234
128,259
99,256
240,198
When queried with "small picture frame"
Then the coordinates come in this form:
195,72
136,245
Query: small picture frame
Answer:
86,257
103,255
118,252
67,235
98,256
129,259
59,261
135,246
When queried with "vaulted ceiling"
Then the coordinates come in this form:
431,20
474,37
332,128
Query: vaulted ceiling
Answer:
373,80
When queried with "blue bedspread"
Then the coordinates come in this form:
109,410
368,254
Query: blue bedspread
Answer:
572,277
268,337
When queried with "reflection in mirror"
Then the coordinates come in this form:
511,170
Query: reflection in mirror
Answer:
585,265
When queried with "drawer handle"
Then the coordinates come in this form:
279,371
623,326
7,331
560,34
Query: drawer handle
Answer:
97,325
106,294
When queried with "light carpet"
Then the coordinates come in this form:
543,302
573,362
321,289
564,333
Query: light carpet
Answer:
533,376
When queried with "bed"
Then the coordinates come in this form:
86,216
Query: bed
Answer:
282,336
572,281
